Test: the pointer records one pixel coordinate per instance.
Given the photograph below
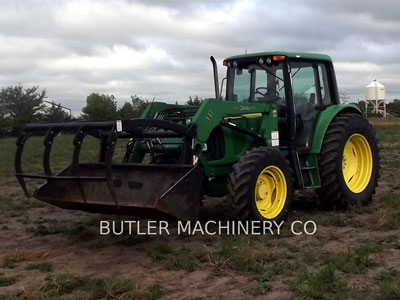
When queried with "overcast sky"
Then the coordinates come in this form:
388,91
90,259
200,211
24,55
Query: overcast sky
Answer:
162,49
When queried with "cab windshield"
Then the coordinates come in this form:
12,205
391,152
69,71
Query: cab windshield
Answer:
256,83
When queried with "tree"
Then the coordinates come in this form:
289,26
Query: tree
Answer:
55,113
126,111
343,96
139,105
5,122
361,106
19,105
394,106
100,107
133,109
195,101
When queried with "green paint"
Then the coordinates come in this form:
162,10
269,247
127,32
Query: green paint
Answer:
210,115
312,162
325,119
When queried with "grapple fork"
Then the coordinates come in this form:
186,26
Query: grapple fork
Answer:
149,190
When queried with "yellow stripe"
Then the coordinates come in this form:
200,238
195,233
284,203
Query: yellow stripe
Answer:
248,116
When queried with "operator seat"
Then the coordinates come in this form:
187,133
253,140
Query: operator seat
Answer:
305,116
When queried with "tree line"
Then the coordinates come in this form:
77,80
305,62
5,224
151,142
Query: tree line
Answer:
19,105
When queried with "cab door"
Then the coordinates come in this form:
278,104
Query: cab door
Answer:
311,93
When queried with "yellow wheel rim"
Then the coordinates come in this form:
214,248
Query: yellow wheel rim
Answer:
270,192
357,163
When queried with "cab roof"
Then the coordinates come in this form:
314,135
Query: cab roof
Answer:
298,55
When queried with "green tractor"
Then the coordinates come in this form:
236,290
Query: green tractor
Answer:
279,127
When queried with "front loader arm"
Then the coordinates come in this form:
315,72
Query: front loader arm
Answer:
244,125
212,112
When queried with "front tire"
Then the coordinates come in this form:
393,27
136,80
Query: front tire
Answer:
348,162
261,185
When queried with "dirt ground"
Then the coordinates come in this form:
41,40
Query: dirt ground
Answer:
51,253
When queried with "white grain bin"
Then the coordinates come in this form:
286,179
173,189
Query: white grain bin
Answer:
375,99
375,91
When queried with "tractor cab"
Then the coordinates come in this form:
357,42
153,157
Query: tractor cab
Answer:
299,85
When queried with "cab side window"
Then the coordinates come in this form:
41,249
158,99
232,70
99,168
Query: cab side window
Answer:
304,85
325,89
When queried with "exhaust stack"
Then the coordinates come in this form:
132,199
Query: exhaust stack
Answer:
215,70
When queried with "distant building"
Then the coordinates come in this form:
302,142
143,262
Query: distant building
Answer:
375,99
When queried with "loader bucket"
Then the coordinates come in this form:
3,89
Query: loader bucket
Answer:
145,190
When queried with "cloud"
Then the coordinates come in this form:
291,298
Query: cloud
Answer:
161,49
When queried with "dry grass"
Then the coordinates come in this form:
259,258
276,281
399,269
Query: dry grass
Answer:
32,294
20,255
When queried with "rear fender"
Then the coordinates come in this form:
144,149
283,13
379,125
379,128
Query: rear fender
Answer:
325,119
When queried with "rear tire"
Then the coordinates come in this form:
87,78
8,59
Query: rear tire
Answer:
348,162
261,185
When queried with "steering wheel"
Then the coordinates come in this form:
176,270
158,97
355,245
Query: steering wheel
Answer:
259,89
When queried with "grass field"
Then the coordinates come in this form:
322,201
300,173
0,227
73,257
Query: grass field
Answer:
50,253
